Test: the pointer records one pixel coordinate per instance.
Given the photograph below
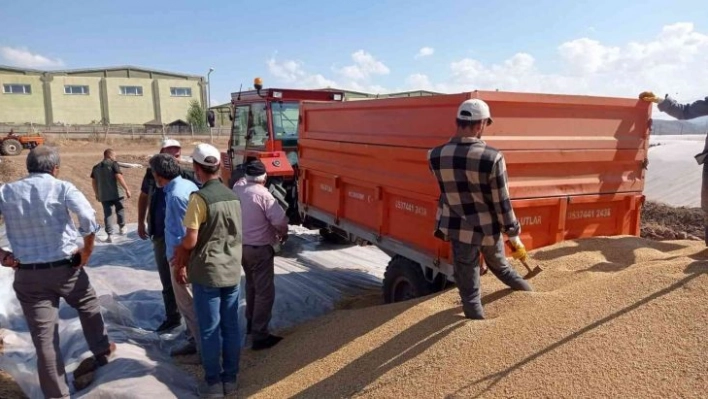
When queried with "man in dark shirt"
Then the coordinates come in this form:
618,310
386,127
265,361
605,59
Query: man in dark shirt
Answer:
105,178
151,207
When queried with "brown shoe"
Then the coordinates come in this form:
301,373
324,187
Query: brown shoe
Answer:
83,375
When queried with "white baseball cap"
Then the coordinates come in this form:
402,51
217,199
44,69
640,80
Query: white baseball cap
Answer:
474,110
203,151
166,143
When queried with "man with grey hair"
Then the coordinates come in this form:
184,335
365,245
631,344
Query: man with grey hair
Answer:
151,209
265,225
167,174
49,265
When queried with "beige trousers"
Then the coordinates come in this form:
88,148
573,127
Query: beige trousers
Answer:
185,304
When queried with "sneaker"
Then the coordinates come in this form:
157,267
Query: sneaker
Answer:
122,230
109,238
265,343
168,325
189,348
83,375
230,389
211,390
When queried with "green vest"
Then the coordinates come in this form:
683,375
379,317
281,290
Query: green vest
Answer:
216,259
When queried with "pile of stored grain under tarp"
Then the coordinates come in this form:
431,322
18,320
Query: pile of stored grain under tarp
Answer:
612,317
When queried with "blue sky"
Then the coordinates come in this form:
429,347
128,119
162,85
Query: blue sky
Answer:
543,45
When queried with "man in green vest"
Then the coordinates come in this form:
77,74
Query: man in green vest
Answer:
209,258
105,178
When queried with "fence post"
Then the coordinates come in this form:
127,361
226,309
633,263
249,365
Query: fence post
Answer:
105,136
191,128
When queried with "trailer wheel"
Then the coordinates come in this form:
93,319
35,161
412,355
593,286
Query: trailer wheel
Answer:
332,237
404,280
11,147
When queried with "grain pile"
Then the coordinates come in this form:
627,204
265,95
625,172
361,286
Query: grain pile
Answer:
612,317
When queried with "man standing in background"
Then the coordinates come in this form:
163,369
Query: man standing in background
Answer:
105,178
265,225
151,206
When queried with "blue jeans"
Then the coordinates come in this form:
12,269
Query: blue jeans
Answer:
217,314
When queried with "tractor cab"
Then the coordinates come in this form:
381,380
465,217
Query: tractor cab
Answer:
265,125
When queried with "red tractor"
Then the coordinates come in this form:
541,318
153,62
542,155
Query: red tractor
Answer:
265,125
13,143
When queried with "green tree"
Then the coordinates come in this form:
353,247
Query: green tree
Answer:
196,116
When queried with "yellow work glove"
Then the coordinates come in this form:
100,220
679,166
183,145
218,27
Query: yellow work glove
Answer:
518,247
649,97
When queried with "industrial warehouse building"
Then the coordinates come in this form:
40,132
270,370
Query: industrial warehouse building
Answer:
123,95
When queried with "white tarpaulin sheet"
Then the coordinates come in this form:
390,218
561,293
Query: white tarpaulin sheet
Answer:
674,176
310,278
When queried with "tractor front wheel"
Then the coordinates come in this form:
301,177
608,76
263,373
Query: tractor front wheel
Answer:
11,147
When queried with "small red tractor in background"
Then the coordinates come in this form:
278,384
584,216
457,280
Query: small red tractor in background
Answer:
13,144
265,125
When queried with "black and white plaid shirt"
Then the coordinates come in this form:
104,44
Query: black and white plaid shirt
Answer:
474,206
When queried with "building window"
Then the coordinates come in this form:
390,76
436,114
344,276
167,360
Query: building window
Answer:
131,90
181,91
16,89
76,89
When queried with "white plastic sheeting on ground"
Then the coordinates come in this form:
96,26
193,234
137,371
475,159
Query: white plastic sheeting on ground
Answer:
674,176
310,278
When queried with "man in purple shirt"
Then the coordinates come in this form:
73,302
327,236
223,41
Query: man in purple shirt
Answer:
265,225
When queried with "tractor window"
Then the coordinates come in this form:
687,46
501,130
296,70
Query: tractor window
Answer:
240,126
285,119
258,127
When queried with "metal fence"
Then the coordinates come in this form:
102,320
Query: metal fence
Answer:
133,131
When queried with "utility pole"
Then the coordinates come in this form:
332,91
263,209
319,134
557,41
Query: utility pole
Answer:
209,89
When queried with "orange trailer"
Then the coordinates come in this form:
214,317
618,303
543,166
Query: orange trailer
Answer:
576,167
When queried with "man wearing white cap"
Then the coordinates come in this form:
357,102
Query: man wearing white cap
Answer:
210,259
474,208
151,206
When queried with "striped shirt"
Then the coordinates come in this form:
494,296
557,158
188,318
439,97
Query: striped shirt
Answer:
37,217
474,205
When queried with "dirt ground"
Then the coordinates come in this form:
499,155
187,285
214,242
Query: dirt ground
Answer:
659,222
663,222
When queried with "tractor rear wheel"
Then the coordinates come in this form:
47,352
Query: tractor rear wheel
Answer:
286,196
404,280
11,147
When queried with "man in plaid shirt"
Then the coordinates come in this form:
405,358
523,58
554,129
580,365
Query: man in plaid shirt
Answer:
474,207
